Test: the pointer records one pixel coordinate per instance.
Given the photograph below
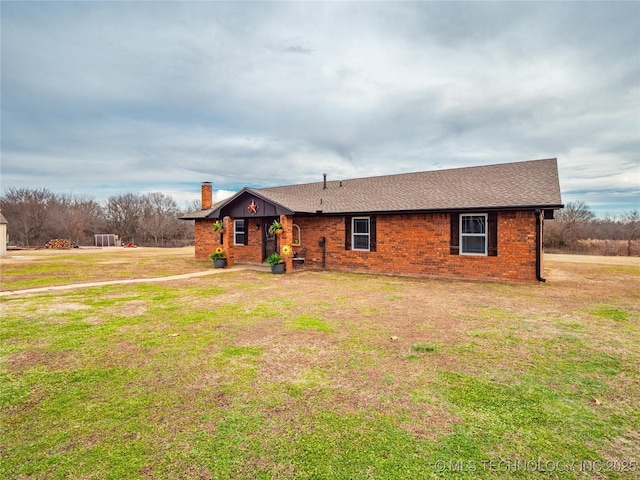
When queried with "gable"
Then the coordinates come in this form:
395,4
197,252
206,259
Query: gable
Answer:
248,203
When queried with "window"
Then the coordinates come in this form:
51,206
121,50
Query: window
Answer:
360,229
473,234
296,235
360,233
239,233
490,234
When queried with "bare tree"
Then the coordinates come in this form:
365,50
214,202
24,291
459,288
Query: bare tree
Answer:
631,228
79,217
28,211
37,215
159,217
123,214
192,206
570,225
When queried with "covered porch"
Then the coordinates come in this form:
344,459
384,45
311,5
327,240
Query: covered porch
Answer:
246,237
247,240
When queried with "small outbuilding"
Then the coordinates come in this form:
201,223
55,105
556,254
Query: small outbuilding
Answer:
481,222
106,240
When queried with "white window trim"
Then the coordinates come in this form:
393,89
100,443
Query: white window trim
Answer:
485,234
354,234
236,232
296,227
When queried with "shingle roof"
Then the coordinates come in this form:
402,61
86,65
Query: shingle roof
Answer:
204,213
530,184
509,185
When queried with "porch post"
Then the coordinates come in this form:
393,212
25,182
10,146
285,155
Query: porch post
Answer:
227,223
286,238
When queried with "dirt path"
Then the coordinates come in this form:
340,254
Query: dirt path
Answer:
58,288
550,258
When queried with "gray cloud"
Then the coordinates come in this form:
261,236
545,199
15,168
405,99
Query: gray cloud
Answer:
110,96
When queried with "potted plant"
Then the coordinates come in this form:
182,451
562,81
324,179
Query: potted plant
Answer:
275,262
219,258
275,227
218,227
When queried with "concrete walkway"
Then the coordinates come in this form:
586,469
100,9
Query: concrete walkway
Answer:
74,286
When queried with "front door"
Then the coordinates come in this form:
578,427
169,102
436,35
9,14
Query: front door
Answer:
269,245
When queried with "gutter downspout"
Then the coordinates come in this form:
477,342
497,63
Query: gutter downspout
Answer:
539,246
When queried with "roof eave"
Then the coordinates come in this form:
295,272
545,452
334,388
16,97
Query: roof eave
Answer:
200,215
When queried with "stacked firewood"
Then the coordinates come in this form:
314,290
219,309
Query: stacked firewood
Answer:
58,244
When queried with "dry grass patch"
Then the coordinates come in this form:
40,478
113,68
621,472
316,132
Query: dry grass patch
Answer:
42,268
322,375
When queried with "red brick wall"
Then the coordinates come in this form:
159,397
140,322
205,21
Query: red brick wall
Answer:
411,244
418,244
206,240
251,253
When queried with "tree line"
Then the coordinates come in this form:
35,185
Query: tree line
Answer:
576,229
36,216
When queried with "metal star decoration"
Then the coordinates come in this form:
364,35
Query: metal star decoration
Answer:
253,207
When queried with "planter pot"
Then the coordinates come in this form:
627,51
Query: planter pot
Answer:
278,268
219,262
279,231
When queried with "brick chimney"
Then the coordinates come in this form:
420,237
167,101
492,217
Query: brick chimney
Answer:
207,195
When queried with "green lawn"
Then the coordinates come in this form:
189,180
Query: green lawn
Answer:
324,375
43,268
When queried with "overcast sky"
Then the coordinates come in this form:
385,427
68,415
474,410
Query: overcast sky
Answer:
101,98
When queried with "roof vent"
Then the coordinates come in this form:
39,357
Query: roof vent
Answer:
324,175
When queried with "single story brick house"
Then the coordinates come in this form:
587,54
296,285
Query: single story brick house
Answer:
475,223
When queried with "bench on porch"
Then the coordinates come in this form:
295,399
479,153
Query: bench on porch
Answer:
298,257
